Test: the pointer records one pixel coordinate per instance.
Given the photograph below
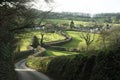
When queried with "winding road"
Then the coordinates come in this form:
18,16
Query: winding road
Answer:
25,73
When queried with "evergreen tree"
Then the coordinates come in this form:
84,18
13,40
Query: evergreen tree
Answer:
35,42
72,24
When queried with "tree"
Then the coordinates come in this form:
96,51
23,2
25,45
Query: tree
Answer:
72,24
15,17
35,42
88,38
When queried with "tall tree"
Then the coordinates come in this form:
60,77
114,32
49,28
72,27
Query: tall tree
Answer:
15,16
72,24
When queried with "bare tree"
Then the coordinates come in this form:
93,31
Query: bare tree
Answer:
88,38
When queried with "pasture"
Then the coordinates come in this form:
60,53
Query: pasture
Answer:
26,38
62,21
78,43
77,23
59,53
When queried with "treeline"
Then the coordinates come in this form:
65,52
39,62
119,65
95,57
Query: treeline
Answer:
107,17
69,16
101,17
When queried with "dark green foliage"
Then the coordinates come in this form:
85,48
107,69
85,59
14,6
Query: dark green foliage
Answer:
23,54
5,70
6,62
12,17
104,66
88,68
72,24
35,42
77,67
107,66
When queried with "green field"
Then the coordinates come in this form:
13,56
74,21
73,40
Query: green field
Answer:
61,21
58,21
77,42
26,38
77,23
59,53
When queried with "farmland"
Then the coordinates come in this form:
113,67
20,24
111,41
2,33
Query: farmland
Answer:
26,38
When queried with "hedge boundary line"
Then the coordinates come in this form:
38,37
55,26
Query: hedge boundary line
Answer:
39,52
58,42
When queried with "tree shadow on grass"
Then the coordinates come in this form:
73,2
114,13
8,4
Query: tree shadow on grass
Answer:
73,43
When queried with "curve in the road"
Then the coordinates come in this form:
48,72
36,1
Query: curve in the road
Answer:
25,73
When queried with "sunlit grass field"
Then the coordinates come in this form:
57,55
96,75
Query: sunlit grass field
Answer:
79,43
26,38
77,23
61,21
59,53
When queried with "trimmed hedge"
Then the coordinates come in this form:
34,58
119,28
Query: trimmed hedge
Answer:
59,42
107,66
78,67
104,66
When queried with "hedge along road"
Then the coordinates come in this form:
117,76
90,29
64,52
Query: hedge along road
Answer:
25,73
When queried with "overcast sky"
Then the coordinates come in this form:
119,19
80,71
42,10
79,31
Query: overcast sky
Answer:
86,6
